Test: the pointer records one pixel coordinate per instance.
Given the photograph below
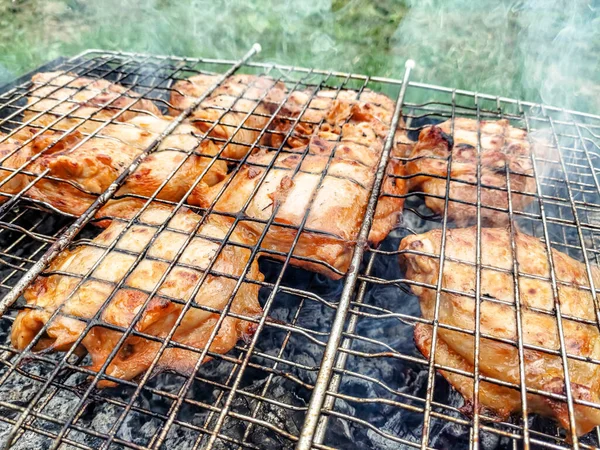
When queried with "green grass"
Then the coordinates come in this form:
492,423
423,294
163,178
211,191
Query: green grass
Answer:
532,49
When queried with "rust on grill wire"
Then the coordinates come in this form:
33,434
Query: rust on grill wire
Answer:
331,363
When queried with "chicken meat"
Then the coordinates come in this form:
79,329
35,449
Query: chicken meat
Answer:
503,149
19,150
292,190
111,259
227,106
79,173
325,111
361,122
86,103
498,353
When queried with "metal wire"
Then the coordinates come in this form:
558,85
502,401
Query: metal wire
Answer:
561,220
331,363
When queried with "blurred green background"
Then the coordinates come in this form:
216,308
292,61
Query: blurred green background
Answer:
538,50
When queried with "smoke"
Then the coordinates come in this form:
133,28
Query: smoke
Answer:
560,49
536,50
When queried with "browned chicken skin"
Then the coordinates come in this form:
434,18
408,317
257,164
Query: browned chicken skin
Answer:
356,126
84,98
90,167
348,147
330,107
228,105
337,205
16,156
50,292
499,360
502,146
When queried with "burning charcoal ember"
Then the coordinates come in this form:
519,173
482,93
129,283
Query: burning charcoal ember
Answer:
65,303
499,360
286,418
78,98
227,106
504,150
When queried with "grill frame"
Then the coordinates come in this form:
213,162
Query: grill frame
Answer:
346,307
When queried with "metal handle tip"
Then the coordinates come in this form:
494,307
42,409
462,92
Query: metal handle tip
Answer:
257,47
410,64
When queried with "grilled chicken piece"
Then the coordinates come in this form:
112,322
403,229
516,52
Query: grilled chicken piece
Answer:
17,152
360,123
333,218
141,131
227,107
78,305
55,94
88,169
13,155
502,147
324,112
499,359
185,92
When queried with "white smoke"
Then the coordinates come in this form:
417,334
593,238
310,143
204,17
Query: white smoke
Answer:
560,40
537,50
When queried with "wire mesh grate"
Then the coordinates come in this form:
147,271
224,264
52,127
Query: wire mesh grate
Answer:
380,381
373,390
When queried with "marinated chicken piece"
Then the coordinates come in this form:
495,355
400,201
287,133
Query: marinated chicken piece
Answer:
326,111
88,169
227,107
18,151
347,119
142,130
185,92
366,152
502,147
499,359
77,305
334,209
55,94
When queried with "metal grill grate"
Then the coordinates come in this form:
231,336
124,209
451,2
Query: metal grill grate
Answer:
377,368
332,363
